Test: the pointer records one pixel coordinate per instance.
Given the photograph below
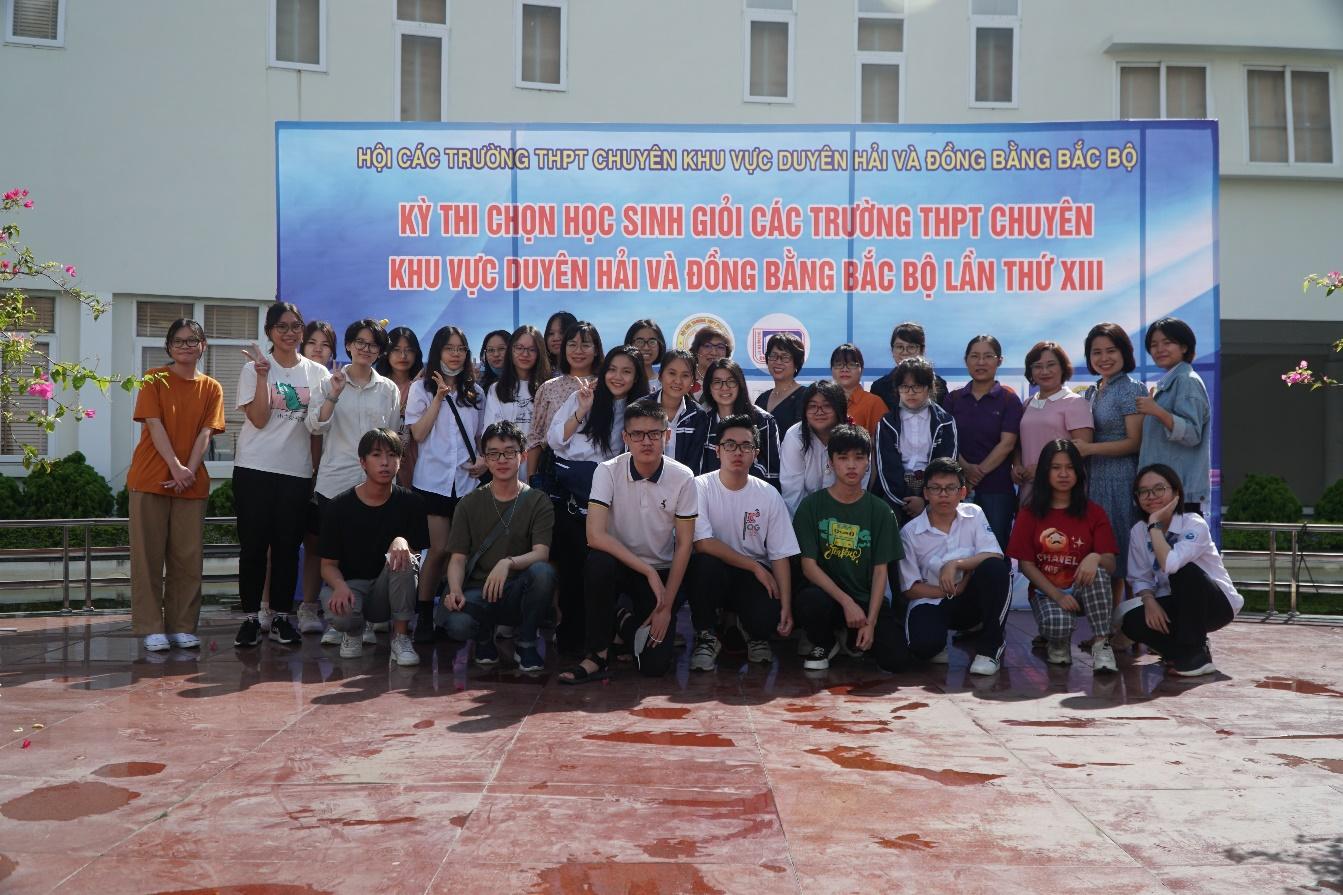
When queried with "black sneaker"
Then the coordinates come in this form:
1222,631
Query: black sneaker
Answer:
487,653
819,658
1195,664
282,630
529,659
249,634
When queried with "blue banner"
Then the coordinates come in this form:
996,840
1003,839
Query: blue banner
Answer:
837,233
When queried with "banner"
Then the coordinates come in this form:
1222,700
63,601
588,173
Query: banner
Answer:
836,233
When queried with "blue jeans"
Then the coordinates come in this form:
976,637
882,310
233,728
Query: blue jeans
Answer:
999,509
526,603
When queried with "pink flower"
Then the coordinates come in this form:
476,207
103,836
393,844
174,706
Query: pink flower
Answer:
88,414
4,265
28,204
70,270
43,389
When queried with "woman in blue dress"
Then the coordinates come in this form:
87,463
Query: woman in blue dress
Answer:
1113,454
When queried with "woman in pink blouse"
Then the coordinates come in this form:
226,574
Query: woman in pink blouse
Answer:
1053,412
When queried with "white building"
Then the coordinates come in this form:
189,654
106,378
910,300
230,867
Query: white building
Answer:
144,130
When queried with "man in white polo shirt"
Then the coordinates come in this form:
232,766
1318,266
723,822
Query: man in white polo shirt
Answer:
953,573
743,540
640,530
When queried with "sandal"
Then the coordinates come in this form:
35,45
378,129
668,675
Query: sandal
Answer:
580,675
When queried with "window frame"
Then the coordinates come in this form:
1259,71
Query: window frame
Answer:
52,349
15,40
787,17
1013,23
402,28
518,81
1291,161
273,62
878,57
198,305
1162,65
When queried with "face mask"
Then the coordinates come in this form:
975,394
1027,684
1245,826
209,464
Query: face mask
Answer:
452,371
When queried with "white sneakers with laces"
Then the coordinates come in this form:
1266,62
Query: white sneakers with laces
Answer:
351,646
1059,652
403,651
309,622
1103,657
156,643
705,655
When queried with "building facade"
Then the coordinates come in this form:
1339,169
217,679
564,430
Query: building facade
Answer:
145,131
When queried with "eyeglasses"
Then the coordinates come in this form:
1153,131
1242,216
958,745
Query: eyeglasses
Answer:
819,408
716,347
365,346
455,349
732,447
496,351
982,358
912,389
846,365
645,343
908,350
723,383
575,345
524,349
639,435
408,352
186,343
288,327
1154,491
941,490
779,358
506,454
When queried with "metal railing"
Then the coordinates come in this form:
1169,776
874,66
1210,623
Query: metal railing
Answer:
89,552
1296,558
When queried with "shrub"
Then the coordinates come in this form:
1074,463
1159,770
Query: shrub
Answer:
68,489
1261,498
1329,508
11,498
220,502
124,502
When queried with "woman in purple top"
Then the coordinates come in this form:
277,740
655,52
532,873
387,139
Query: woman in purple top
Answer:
1053,413
1113,456
988,418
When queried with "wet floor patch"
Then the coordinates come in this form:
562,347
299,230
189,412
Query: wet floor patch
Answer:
572,879
861,760
1297,685
124,769
68,801
664,713
663,738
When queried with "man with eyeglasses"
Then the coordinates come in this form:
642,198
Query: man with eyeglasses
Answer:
640,530
743,540
907,340
953,573
499,550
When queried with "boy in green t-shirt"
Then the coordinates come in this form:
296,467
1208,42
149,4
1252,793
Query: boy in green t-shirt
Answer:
848,537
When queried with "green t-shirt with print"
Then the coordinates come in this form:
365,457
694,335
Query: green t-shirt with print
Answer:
848,540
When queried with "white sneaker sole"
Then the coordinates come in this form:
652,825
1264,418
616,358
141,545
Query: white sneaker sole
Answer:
411,659
816,664
1209,668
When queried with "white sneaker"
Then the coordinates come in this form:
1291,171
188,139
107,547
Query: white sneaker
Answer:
984,665
759,651
156,643
264,616
184,641
941,658
1059,652
350,646
309,622
1103,657
331,637
370,636
705,655
403,651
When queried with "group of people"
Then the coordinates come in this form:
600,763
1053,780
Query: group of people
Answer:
556,483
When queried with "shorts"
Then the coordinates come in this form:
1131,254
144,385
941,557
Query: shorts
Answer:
436,504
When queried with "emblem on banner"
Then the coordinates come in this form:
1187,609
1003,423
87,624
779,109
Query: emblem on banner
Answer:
772,324
686,329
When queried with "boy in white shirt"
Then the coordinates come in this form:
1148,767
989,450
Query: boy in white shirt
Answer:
743,540
953,573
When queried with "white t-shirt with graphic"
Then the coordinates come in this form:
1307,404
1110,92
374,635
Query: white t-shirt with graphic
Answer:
282,445
753,521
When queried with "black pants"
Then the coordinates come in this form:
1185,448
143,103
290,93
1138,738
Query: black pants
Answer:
819,615
569,549
983,602
605,578
1195,607
272,511
715,585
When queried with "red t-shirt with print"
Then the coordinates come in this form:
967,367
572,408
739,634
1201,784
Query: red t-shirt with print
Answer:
1060,541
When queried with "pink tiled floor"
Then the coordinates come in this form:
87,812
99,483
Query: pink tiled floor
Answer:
284,771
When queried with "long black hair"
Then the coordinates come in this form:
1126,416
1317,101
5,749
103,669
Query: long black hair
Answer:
506,389
565,320
833,393
384,363
467,396
1042,494
578,329
487,377
602,416
647,323
742,403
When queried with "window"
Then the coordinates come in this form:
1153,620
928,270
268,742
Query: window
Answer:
298,34
228,329
15,430
542,57
422,56
994,27
881,59
1287,110
1158,90
769,50
40,23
